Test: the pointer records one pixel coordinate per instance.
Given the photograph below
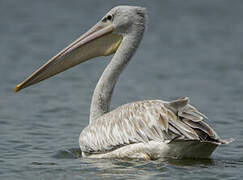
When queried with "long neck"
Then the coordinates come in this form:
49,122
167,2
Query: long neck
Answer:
102,95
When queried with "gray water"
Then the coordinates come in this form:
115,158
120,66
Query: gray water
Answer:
191,48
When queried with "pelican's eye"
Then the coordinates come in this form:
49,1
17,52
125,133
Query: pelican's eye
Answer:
107,18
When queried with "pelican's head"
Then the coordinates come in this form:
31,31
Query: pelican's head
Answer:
103,39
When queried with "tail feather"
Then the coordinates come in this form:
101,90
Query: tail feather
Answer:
191,123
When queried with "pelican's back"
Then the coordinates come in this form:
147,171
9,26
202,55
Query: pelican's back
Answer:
149,121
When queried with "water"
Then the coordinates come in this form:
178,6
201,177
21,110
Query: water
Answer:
191,48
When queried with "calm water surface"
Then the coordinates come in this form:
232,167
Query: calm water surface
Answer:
191,48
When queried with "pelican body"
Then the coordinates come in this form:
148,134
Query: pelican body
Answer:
147,129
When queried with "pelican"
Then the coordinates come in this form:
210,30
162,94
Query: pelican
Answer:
148,129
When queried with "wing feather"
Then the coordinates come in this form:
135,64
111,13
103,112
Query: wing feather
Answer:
144,121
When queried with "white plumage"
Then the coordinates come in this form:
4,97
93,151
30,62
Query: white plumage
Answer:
150,129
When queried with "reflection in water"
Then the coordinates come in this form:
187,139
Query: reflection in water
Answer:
73,153
141,169
191,162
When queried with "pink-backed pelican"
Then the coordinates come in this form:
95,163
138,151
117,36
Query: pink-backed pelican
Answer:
147,129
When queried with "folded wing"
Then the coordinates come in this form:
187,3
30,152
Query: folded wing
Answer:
145,121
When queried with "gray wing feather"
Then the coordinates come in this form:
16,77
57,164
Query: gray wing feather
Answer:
144,121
